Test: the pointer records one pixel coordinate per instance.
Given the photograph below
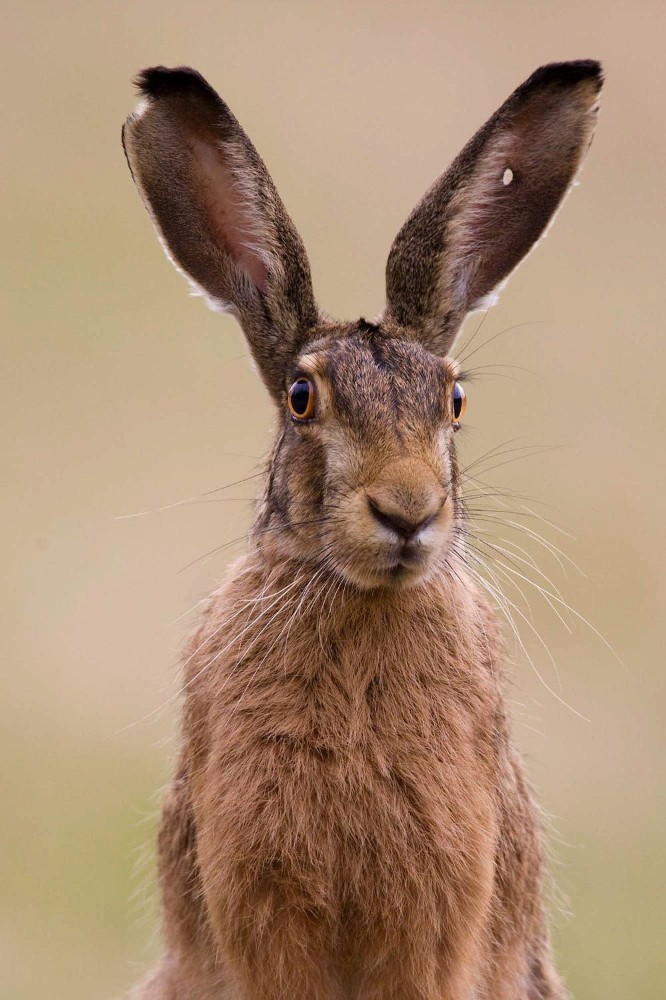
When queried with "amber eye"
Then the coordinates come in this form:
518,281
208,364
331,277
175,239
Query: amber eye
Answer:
459,402
301,399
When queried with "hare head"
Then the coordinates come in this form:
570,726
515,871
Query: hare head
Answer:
363,477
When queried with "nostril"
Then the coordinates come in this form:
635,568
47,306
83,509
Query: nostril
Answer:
402,526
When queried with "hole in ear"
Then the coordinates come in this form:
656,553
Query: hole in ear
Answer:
507,176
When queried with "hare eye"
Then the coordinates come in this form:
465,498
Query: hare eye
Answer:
459,402
301,399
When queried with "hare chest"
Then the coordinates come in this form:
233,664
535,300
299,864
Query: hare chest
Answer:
351,810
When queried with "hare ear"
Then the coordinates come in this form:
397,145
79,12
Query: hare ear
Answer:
218,215
482,216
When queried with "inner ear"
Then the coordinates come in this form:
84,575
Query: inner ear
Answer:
219,216
480,218
228,203
512,195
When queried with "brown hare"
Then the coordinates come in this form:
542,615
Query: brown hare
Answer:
349,819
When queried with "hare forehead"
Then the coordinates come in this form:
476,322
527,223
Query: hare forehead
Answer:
375,377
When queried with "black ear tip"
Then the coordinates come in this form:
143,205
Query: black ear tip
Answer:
158,81
567,74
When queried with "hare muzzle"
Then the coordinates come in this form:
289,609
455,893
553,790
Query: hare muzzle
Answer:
405,522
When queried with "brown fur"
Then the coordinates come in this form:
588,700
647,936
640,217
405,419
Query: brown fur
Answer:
218,214
349,819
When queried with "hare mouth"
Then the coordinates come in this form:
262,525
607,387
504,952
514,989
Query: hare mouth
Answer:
409,564
397,567
412,554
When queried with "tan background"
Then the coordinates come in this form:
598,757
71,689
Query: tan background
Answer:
121,395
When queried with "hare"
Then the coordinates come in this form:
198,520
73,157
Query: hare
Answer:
349,819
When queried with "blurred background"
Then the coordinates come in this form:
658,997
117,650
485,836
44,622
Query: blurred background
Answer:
124,403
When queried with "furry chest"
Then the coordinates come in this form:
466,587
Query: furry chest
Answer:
353,815
370,855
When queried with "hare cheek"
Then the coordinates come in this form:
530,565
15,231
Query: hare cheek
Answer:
445,446
441,530
353,519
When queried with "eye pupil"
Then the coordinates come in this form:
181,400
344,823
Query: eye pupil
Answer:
459,401
301,399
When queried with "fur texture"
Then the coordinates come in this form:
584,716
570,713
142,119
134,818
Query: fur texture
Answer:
349,819
470,230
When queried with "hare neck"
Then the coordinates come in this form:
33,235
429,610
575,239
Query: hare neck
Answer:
294,606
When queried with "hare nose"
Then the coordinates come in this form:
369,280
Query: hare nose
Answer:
404,526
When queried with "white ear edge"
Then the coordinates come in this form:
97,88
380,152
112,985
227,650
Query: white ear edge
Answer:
243,197
196,290
142,106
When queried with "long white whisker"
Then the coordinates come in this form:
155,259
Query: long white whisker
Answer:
500,599
224,624
272,646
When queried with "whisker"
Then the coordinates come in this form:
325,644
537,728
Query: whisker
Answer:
479,325
500,599
509,329
248,534
224,624
187,500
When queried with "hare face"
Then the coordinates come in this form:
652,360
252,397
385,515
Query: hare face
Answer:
367,483
363,479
